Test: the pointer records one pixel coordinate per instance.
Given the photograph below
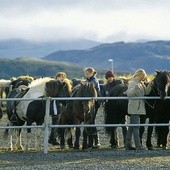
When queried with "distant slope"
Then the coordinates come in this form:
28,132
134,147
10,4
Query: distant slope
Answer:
126,56
36,67
13,48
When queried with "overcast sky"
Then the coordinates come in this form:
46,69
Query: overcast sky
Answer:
99,20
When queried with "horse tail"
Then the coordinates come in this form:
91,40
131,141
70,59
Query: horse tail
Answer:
109,116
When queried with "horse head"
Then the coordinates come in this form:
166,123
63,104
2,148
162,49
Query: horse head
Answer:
57,88
162,83
88,90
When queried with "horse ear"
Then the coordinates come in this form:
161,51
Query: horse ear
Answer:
157,72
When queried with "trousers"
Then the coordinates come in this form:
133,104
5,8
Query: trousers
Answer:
133,130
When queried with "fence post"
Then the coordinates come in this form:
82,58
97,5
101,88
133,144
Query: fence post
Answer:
46,125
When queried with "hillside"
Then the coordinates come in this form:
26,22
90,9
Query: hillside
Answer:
126,56
36,67
14,48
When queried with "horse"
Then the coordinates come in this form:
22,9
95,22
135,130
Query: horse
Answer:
157,111
77,112
3,85
34,111
116,110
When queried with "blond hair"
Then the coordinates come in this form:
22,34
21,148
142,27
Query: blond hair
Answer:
61,74
90,70
139,72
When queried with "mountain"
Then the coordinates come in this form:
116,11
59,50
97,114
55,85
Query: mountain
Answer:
126,56
14,48
36,67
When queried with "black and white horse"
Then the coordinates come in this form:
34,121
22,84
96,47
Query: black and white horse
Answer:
34,111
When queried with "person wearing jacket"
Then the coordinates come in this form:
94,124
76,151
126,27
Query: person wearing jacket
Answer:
111,82
90,75
136,88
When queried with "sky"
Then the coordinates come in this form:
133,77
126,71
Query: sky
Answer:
98,20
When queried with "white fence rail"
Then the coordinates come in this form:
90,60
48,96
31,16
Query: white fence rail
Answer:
46,126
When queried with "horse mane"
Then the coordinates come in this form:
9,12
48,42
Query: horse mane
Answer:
86,90
68,84
39,81
50,87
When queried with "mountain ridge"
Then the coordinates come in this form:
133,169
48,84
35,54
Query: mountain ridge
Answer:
126,56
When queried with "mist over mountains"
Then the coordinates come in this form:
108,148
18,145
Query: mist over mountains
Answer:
15,48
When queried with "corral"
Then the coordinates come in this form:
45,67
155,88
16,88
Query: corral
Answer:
103,158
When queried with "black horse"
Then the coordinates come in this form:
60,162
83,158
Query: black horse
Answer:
156,110
115,113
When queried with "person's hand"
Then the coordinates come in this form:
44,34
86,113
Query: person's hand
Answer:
151,83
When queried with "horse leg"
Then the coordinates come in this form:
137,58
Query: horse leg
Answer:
165,131
158,131
142,128
62,138
149,135
8,136
114,138
77,138
85,135
18,144
70,142
52,140
28,137
38,139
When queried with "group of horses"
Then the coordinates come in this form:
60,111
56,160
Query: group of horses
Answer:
83,110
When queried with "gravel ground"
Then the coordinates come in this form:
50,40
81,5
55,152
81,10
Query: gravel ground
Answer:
103,158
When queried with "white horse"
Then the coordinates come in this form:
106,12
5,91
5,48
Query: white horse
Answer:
34,111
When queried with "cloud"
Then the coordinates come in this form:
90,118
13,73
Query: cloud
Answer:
107,20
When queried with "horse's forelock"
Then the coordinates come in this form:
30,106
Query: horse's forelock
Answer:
52,88
68,84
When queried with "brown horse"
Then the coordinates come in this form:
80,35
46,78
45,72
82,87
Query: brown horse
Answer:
77,112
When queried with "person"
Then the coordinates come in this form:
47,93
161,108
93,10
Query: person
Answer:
52,139
61,76
112,81
90,75
136,88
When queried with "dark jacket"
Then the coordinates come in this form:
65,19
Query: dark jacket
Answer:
109,86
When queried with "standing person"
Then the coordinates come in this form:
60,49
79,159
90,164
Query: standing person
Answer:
61,76
90,75
136,88
52,139
112,82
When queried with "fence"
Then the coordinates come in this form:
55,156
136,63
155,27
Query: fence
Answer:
46,126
